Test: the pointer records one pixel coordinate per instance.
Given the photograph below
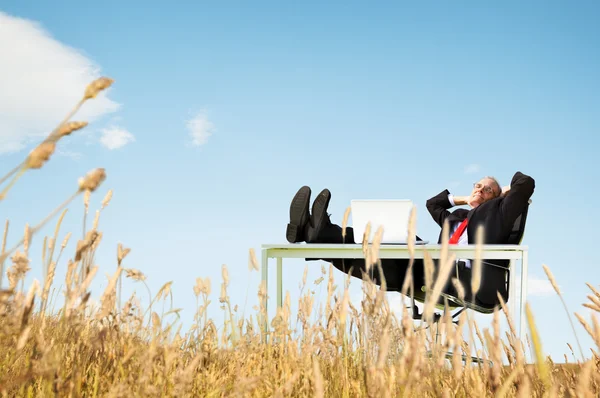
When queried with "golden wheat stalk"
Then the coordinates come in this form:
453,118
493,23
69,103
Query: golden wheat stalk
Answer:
558,292
90,182
442,278
41,154
542,367
2,253
345,222
476,272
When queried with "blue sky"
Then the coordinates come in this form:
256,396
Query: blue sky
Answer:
383,101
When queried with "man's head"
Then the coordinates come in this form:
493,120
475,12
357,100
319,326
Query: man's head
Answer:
483,190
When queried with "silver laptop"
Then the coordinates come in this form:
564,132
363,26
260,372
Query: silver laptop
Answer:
392,215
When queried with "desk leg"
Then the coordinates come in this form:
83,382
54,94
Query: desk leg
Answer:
513,290
279,283
265,281
524,266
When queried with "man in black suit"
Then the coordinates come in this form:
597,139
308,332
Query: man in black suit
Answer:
494,208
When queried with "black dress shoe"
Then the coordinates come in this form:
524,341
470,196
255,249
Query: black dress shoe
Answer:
319,217
296,229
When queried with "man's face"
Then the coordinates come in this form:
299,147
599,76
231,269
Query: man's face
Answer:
483,191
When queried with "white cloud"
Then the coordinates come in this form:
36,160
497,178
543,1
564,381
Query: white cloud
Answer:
472,168
116,137
69,154
539,287
536,286
42,79
200,128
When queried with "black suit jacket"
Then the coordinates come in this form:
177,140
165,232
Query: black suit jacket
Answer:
497,217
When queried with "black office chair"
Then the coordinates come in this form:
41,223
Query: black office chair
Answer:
451,302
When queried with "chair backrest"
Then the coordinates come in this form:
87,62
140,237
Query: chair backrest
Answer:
515,238
518,229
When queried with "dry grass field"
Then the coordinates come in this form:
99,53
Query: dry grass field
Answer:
329,349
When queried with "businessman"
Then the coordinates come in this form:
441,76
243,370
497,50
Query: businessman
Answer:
489,205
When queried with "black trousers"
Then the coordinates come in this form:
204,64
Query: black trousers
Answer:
394,270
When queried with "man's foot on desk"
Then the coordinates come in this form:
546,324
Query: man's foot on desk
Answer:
299,215
319,217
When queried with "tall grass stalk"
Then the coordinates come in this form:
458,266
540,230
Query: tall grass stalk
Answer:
562,300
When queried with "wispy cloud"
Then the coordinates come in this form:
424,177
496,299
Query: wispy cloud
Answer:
69,154
41,80
116,137
539,287
472,168
536,286
200,128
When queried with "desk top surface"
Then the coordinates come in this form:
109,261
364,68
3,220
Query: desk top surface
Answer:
383,247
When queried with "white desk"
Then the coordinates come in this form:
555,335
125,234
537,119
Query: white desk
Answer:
316,251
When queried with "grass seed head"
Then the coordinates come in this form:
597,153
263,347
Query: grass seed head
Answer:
121,253
86,200
65,241
18,270
199,286
476,271
459,288
20,263
96,219
40,155
345,221
593,289
95,87
85,244
68,128
107,199
551,279
135,274
225,274
92,180
253,263
26,239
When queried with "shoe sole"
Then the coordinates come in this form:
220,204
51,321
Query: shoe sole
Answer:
298,215
319,211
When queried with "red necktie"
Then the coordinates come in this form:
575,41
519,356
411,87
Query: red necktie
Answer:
456,235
